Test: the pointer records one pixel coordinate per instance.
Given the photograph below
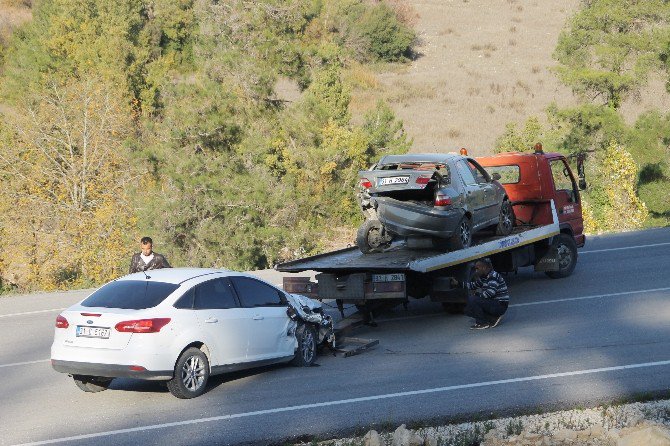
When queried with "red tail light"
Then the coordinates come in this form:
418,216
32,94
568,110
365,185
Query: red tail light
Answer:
423,180
61,322
442,200
365,183
142,325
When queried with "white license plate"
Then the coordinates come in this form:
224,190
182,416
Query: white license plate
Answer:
93,332
393,180
398,277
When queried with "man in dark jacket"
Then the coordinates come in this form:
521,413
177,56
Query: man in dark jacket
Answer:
147,259
488,298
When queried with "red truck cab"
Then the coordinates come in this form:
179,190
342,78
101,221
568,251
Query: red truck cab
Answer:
532,180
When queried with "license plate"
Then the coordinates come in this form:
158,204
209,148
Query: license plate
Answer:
398,277
92,332
393,180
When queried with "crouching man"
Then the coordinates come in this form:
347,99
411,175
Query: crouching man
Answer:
488,297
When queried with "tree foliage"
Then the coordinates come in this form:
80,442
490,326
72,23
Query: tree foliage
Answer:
611,46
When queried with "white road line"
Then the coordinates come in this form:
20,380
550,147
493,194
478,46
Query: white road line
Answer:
624,248
595,296
24,363
350,401
32,312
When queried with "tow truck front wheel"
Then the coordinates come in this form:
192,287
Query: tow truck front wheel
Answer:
372,237
566,249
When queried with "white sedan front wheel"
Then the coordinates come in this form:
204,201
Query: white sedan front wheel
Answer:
307,345
190,374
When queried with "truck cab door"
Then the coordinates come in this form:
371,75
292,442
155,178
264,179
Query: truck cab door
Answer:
566,193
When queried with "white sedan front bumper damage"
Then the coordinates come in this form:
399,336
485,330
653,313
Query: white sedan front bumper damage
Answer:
311,311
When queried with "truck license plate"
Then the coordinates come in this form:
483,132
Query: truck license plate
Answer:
398,277
92,332
393,180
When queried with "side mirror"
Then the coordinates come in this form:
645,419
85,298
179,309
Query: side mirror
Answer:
495,176
582,184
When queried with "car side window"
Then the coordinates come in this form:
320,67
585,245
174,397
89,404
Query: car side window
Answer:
465,173
253,293
214,294
186,301
480,175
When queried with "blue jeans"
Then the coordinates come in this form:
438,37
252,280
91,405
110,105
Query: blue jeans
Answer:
485,311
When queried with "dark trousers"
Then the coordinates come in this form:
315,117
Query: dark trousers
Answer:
485,311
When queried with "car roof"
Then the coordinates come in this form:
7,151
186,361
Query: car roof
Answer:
419,158
178,275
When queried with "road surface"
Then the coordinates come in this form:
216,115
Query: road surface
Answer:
599,335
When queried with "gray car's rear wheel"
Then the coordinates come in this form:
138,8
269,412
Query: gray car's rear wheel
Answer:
462,237
505,219
92,384
372,237
567,256
190,374
305,355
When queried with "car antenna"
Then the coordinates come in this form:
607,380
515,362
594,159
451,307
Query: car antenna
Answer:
146,275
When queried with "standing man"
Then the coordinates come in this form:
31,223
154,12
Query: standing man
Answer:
147,259
488,298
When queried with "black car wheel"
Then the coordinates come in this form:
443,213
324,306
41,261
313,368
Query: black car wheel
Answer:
190,374
305,355
372,237
91,384
505,219
567,256
462,237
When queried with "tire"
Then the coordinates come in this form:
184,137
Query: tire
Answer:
372,237
190,374
506,219
91,384
567,256
453,307
462,238
305,355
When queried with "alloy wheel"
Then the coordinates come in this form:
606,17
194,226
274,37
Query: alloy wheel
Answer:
193,373
465,233
308,346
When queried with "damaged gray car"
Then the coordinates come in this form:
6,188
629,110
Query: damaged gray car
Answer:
431,200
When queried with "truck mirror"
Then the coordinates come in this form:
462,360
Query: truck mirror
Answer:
495,176
582,184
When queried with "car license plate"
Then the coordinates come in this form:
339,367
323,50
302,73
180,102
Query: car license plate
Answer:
398,277
92,332
393,180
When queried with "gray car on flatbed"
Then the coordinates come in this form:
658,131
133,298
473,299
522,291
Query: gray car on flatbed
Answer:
433,200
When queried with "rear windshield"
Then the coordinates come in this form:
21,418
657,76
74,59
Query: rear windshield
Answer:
130,294
416,165
508,174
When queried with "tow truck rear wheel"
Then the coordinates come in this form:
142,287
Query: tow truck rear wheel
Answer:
462,237
372,237
566,254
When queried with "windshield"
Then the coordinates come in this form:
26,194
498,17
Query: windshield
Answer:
130,294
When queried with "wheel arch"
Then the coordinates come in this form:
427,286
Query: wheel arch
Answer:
200,346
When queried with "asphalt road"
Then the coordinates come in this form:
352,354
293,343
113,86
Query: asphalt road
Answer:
600,335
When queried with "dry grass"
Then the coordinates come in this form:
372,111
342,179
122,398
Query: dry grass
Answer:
474,91
536,69
512,42
404,92
361,77
516,19
405,12
454,133
496,88
512,29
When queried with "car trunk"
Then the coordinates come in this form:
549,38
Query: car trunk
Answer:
417,186
94,328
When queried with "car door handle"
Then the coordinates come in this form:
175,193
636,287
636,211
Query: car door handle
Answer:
211,320
258,318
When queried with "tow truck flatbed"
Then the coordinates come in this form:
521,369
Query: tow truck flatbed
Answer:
399,258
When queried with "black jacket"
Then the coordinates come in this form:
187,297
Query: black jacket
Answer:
137,264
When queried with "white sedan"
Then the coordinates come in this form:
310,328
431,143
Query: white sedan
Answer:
182,325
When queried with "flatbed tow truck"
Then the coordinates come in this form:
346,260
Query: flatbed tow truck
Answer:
548,230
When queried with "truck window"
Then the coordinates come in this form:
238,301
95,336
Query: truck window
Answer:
466,173
508,174
560,172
